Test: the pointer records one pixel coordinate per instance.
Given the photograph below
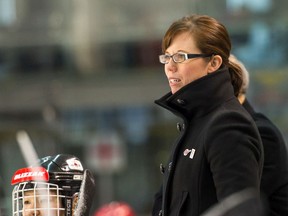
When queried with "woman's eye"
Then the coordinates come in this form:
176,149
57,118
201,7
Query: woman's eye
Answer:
180,57
167,57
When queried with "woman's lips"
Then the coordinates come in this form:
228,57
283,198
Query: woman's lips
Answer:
174,80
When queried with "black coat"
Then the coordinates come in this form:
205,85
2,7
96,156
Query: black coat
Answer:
218,152
274,182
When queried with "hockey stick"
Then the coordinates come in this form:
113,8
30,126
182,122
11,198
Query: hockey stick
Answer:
26,146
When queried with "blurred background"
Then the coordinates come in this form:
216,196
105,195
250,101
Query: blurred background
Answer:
81,77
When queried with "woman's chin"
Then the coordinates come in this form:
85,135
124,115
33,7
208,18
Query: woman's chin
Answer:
174,89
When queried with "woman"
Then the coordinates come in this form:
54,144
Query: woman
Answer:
274,181
219,150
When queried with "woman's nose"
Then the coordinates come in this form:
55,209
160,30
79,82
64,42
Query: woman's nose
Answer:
171,66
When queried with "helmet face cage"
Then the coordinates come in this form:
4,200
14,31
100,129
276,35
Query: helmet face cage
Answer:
33,198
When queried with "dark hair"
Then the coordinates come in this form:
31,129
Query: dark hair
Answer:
211,37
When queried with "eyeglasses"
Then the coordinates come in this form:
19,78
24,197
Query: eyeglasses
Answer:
180,57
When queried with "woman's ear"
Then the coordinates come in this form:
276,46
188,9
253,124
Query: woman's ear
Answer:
214,63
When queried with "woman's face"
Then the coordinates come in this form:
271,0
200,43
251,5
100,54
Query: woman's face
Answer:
181,74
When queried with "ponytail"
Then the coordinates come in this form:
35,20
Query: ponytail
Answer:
236,77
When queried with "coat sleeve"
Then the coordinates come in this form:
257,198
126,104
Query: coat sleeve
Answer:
275,171
234,152
274,182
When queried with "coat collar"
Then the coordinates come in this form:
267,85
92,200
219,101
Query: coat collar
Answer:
248,107
200,96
